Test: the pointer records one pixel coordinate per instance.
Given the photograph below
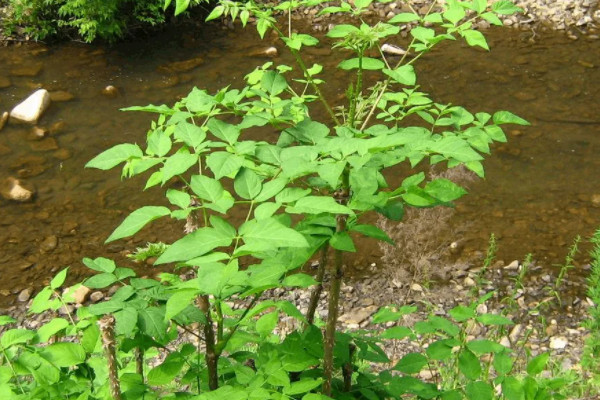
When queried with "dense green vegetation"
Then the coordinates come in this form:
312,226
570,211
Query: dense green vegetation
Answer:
214,334
84,19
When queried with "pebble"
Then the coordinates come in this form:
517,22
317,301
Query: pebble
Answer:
49,244
558,342
12,189
47,144
61,95
4,82
27,70
469,282
4,119
81,294
96,296
110,91
24,295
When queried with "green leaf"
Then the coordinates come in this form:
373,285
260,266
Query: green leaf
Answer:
492,18
454,14
271,188
273,82
152,322
372,231
475,38
404,75
177,164
342,30
179,301
317,205
479,391
512,389
289,195
404,18
64,354
51,328
302,386
342,241
267,322
422,34
479,6
214,14
194,245
444,190
179,198
100,281
137,220
462,313
266,210
5,320
270,233
166,372
207,188
469,365
368,63
396,332
223,164
411,363
503,363
506,117
15,336
115,155
299,280
100,264
247,184
505,7
493,319
308,131
224,131
190,134
538,364
483,346
393,210
59,279
159,143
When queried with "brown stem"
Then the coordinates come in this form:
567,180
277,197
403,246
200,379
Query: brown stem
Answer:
139,362
348,368
334,300
107,330
212,358
318,289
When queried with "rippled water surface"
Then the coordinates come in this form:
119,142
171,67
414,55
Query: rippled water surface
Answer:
541,190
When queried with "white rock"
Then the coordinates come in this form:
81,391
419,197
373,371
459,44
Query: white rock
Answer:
415,287
31,109
504,341
11,189
558,342
469,282
394,50
513,265
515,333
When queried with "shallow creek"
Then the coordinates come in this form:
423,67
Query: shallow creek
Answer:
541,189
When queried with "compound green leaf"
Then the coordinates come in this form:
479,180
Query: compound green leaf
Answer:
64,354
194,245
189,134
372,231
224,131
475,38
404,18
479,391
271,233
273,82
469,365
404,75
411,363
506,117
247,184
444,190
177,164
342,241
114,156
137,220
16,336
222,164
51,328
318,205
505,7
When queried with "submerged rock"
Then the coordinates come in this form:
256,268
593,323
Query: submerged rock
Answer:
12,189
264,52
49,244
24,295
27,70
61,95
47,144
4,82
3,120
32,108
181,66
110,91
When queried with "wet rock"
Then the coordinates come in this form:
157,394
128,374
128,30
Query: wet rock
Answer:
62,154
525,96
27,70
3,120
49,244
32,108
264,52
38,133
57,127
24,295
110,91
558,342
96,296
4,82
393,50
181,66
61,95
81,294
596,200
167,82
4,150
46,144
12,189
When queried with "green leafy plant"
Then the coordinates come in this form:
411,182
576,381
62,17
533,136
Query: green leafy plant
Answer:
313,189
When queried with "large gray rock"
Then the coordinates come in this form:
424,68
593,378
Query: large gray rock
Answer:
32,108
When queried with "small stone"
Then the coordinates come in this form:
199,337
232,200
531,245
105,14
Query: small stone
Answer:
558,343
356,316
426,374
49,244
38,133
415,287
505,341
181,66
57,127
110,91
62,154
61,95
393,50
515,333
32,108
27,70
4,119
4,82
96,296
469,282
12,189
514,265
24,295
265,52
46,144
596,200
481,309
81,294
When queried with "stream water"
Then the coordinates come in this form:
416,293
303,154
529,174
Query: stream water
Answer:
541,188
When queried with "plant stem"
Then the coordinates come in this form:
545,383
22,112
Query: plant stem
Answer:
334,292
212,358
139,362
348,368
357,90
107,330
318,289
12,368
